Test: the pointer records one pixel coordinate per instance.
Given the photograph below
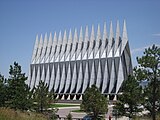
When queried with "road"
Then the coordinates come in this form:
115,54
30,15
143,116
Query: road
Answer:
64,111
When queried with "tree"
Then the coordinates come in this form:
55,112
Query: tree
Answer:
131,97
69,116
93,102
17,89
42,97
2,91
149,69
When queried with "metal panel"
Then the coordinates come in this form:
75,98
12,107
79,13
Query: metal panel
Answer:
92,77
99,74
112,77
57,80
120,77
33,79
105,78
68,80
47,79
74,79
80,78
63,78
37,77
52,81
86,78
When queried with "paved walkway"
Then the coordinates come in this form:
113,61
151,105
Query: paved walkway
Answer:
64,111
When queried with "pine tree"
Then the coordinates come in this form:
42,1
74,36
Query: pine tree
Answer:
42,97
93,102
2,91
18,91
131,97
149,69
69,116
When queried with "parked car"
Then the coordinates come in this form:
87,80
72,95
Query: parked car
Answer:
87,117
90,117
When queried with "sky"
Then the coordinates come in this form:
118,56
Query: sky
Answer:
22,20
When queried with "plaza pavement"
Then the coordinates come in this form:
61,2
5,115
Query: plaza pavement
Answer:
64,111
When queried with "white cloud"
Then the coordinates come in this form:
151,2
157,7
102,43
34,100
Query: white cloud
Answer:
157,34
141,49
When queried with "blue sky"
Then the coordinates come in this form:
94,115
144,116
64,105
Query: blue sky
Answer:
21,20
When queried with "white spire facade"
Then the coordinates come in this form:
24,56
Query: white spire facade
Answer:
70,63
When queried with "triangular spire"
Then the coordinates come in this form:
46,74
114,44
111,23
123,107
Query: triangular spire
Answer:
39,49
45,39
65,37
64,43
75,36
68,44
111,31
117,40
35,49
75,39
98,37
124,31
49,48
124,37
41,40
86,35
55,37
92,38
59,42
50,40
110,41
81,35
86,39
70,37
53,47
60,38
44,46
105,32
79,45
98,34
104,40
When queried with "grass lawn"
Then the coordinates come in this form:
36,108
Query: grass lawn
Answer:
58,105
10,114
78,111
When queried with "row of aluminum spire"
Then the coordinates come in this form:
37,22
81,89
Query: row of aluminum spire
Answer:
64,62
48,50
